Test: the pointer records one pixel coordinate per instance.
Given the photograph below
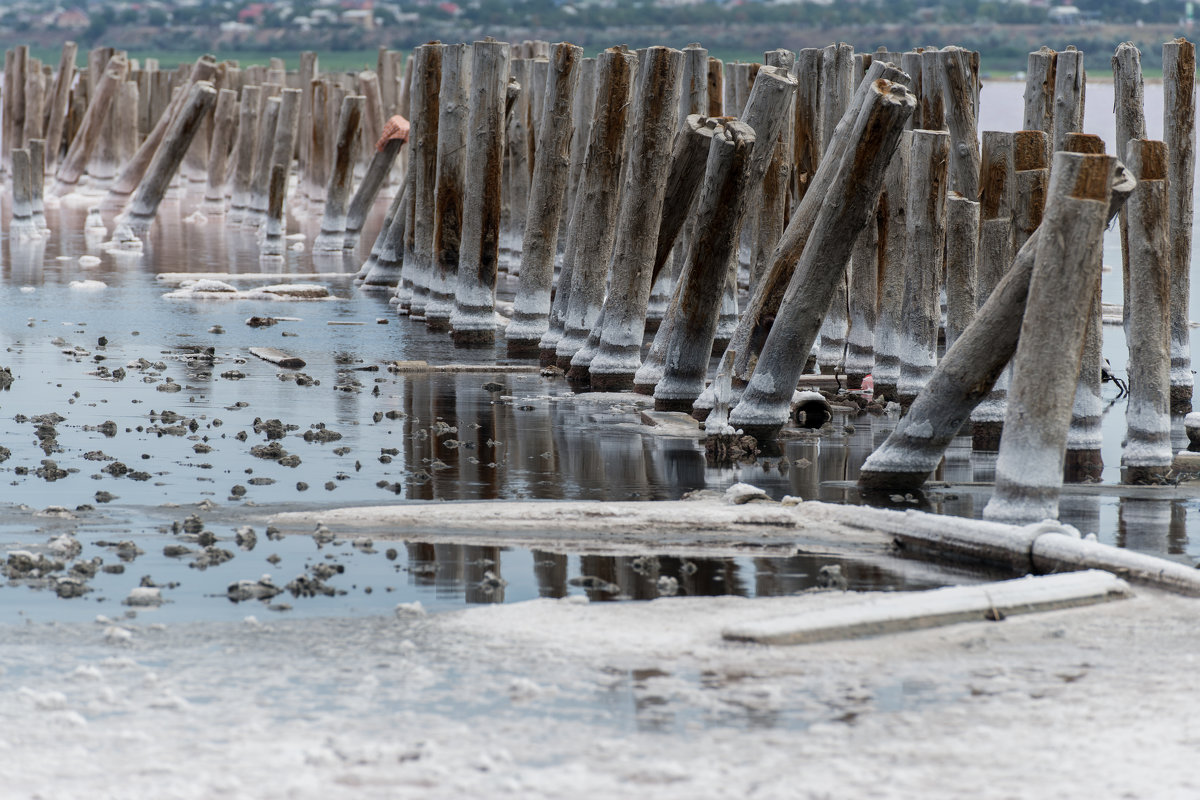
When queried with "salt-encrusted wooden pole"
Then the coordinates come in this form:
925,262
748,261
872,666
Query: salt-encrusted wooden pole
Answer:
22,226
1039,92
837,86
517,169
333,221
764,301
1084,461
34,102
962,240
134,170
474,317
596,204
274,223
255,211
959,80
37,182
89,131
619,352
305,76
807,133
60,96
923,261
1070,83
772,211
383,157
224,128
125,136
318,144
243,168
381,270
766,402
967,372
1030,179
427,81
893,239
1146,454
531,308
144,205
274,228
450,190
1029,468
726,184
863,298
1179,133
14,117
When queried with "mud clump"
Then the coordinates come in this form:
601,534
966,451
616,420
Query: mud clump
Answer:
6,379
319,433
211,557
23,564
730,449
273,428
70,586
262,589
272,451
116,469
246,538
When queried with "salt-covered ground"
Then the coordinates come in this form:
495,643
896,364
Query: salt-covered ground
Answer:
562,698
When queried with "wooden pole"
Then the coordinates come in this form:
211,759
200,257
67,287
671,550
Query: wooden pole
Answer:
1070,82
1146,453
144,205
22,227
450,192
531,308
893,240
596,204
517,167
382,268
619,353
125,135
1039,91
474,318
1179,133
260,182
766,402
427,80
224,128
37,183
966,374
1029,468
89,131
959,78
378,169
273,229
836,87
807,132
333,222
318,146
243,170
962,240
923,259
863,295
60,97
772,215
282,151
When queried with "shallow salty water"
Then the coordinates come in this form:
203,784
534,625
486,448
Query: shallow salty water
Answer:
376,437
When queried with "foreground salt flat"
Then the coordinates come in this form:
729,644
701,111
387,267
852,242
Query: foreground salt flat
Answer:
554,698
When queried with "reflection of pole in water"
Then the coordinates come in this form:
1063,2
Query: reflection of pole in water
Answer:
27,257
603,567
481,573
1081,511
683,467
1177,538
805,476
422,563
550,570
1143,525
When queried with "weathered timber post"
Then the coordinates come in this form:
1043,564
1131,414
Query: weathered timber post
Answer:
863,297
383,157
764,302
1040,79
282,151
1179,133
134,170
932,97
167,158
910,62
959,80
89,131
373,119
37,182
305,75
224,127
60,97
22,226
1084,461
837,85
1030,179
273,228
517,167
596,203
450,190
381,270
767,113
34,102
776,182
923,261
766,402
1146,453
893,240
619,352
689,158
1030,465
551,172
726,185
333,221
427,80
474,317
1070,86
962,240
716,88
243,168
807,132
318,144
125,135
1129,109
966,374
260,182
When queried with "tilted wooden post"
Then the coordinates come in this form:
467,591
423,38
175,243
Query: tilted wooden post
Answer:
1146,453
766,402
224,128
378,169
474,318
517,168
619,353
337,193
144,205
924,260
596,204
255,212
86,137
60,96
1029,468
382,269
450,190
243,168
966,374
274,222
551,172
1179,133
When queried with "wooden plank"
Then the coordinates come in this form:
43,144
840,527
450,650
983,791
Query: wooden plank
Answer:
277,357
936,608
